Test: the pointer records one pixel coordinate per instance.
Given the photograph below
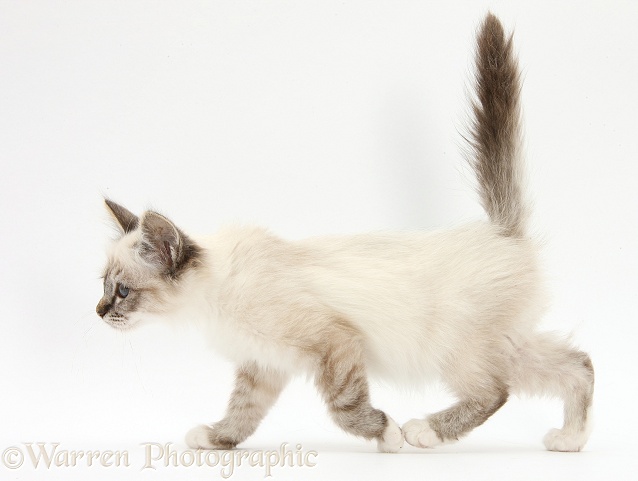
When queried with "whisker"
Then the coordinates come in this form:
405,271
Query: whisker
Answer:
89,315
77,368
136,366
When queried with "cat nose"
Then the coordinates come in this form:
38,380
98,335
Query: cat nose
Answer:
103,307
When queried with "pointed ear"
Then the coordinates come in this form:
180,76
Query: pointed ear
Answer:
162,242
126,220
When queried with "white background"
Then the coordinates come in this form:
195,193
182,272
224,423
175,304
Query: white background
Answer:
308,118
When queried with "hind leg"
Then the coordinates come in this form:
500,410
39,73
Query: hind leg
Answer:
454,422
549,366
481,393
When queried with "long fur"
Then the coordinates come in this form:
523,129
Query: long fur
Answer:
458,305
496,129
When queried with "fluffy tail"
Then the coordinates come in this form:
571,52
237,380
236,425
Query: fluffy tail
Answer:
495,131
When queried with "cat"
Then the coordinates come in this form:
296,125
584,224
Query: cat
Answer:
459,305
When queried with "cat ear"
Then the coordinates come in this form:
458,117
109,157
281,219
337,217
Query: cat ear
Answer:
162,242
126,220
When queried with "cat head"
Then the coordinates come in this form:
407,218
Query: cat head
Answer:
146,267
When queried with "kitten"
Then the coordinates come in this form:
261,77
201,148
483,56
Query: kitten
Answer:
460,305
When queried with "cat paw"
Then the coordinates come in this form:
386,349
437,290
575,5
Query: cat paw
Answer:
391,441
200,437
559,440
418,433
207,437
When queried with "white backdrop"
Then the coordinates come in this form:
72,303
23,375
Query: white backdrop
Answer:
308,118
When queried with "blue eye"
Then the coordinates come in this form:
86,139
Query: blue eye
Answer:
122,290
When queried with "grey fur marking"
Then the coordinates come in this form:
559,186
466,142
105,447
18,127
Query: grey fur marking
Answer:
256,390
127,221
341,380
495,133
466,415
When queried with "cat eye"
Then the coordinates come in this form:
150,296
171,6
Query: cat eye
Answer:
122,290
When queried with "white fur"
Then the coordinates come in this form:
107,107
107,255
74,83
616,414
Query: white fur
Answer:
562,440
418,433
198,438
392,439
418,298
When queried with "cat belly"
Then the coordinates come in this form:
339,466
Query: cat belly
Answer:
238,344
399,361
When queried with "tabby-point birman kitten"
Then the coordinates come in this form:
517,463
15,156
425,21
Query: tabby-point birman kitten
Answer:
460,305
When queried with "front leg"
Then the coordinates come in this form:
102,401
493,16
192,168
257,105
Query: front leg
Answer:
256,390
341,379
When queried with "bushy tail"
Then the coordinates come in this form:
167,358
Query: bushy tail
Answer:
495,131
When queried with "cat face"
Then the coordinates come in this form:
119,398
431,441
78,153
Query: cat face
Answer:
144,268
